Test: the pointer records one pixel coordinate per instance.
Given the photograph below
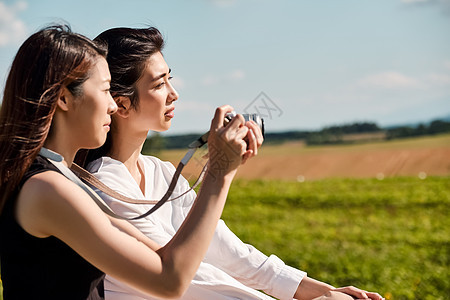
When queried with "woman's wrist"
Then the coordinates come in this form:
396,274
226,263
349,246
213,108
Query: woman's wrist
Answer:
219,178
310,288
220,171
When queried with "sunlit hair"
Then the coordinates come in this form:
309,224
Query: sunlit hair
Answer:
48,61
129,50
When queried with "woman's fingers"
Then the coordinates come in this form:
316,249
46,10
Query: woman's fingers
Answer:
374,296
219,116
236,123
252,142
358,293
248,154
257,132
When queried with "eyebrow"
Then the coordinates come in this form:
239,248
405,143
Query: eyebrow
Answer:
161,76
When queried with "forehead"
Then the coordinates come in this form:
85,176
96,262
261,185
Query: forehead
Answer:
155,65
100,70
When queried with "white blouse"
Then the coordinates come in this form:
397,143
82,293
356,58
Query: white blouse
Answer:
230,269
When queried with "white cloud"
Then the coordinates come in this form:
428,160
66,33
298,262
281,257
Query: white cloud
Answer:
12,29
389,80
387,97
237,75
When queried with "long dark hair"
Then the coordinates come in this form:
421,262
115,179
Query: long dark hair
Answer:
48,61
128,52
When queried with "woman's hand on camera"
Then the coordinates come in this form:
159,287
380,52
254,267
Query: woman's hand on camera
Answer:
254,139
226,144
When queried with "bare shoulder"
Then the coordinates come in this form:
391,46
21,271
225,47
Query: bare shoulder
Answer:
49,200
51,205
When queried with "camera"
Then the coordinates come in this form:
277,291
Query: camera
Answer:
228,117
247,117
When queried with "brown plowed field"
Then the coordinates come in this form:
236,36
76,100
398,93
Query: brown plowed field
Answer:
421,157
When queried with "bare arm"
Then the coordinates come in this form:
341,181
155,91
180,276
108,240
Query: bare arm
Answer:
49,204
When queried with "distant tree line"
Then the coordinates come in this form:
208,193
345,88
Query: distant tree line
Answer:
335,134
435,127
156,142
328,135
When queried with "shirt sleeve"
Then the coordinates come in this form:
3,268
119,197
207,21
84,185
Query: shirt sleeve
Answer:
250,266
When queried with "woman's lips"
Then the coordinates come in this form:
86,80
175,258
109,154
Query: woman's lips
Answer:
170,113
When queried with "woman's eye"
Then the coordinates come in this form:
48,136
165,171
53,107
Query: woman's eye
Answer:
162,83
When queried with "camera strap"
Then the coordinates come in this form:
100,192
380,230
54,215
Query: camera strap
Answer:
90,179
56,159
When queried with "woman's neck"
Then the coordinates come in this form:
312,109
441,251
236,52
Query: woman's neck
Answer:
126,148
63,149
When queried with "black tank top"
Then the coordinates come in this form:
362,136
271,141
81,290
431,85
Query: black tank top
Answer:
42,268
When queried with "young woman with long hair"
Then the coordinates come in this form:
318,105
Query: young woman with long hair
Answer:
55,242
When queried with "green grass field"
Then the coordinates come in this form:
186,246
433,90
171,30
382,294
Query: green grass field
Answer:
390,236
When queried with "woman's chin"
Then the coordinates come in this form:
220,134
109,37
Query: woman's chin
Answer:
166,126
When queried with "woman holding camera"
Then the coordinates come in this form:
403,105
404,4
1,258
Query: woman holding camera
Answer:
146,100
55,242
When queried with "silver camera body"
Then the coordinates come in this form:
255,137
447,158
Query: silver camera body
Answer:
248,117
228,117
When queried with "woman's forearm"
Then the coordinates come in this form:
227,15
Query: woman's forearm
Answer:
310,288
183,254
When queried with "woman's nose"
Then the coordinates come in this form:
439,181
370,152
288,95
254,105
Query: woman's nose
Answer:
112,107
173,94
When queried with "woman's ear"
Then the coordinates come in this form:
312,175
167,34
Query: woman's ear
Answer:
123,106
64,98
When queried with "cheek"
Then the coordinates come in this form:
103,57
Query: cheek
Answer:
160,97
152,107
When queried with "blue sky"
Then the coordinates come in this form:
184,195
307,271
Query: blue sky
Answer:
301,64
